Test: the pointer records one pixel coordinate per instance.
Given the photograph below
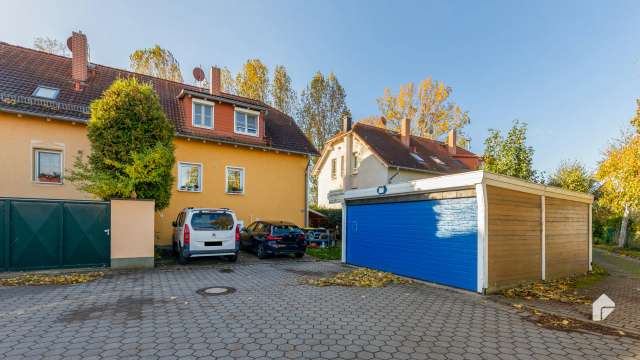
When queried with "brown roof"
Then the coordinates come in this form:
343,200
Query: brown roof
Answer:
23,69
387,145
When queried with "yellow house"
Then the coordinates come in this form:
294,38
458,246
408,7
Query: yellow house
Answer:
230,151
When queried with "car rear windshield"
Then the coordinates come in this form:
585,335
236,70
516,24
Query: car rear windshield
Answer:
285,229
217,221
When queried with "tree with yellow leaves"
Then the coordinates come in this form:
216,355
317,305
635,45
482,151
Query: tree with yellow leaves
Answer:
157,62
431,109
253,80
619,174
282,94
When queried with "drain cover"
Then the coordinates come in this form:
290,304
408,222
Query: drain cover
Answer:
216,290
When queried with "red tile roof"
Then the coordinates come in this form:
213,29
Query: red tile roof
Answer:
435,155
22,70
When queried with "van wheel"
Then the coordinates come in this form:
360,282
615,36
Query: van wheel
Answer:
299,255
232,258
260,252
182,260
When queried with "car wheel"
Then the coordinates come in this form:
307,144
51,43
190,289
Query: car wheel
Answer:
232,258
182,260
260,251
299,255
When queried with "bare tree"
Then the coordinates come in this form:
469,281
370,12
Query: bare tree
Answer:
52,46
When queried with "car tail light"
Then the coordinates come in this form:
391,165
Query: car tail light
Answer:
187,235
237,233
273,238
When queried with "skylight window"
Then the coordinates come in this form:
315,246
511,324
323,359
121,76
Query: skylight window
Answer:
437,160
417,157
46,92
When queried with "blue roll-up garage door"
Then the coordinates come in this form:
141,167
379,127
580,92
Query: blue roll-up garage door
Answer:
431,240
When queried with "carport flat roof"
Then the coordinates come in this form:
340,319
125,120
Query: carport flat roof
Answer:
465,181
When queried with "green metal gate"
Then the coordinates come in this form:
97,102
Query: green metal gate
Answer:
40,234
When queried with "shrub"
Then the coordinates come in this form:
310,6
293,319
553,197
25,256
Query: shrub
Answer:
131,146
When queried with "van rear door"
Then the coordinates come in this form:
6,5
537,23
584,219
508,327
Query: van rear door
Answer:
213,230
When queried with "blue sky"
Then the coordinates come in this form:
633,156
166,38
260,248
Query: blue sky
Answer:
570,69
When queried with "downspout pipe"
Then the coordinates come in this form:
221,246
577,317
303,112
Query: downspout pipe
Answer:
389,180
306,192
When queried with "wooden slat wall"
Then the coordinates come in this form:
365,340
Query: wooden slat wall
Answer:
567,237
515,230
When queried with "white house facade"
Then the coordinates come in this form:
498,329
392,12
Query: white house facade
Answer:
381,157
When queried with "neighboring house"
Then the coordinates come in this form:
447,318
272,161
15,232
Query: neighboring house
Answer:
230,151
381,156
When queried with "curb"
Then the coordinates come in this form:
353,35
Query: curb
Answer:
498,299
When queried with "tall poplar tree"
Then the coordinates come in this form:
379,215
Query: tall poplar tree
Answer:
283,96
253,80
322,107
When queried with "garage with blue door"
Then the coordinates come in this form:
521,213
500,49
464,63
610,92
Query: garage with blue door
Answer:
434,240
474,231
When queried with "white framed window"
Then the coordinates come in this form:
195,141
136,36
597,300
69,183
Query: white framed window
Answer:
333,169
355,163
234,183
246,122
189,177
47,166
342,165
202,113
46,92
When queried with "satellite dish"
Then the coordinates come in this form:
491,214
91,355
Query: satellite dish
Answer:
198,73
69,43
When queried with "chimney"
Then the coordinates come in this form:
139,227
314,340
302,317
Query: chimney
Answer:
79,58
452,140
405,132
215,83
346,123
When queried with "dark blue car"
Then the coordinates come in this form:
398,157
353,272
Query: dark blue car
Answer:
266,238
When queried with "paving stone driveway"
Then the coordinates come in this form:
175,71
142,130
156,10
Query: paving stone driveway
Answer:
623,286
158,314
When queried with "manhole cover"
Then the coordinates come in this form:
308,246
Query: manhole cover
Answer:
216,290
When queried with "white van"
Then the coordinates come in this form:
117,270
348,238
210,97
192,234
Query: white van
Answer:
206,232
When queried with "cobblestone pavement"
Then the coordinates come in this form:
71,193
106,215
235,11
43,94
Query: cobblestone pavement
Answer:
157,314
623,286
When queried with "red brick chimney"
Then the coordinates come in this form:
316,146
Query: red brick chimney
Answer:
452,140
405,132
79,58
215,83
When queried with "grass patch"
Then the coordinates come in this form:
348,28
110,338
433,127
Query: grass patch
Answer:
633,253
328,253
46,279
359,278
594,276
562,290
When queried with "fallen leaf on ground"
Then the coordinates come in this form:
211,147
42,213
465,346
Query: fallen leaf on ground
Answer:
561,290
51,279
359,278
